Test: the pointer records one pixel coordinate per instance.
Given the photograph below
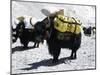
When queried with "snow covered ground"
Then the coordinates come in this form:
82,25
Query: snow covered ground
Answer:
33,60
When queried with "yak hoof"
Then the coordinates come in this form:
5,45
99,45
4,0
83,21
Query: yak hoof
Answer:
54,61
34,46
71,58
25,47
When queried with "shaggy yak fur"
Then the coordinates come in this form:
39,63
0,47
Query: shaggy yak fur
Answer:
25,35
13,33
89,30
46,30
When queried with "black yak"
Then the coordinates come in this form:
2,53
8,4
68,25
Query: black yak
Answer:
13,33
56,39
87,30
25,35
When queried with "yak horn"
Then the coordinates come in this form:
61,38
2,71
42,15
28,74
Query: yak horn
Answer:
31,22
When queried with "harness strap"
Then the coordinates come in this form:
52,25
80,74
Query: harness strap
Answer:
75,25
68,22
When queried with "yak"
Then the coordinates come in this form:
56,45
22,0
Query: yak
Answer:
45,29
87,30
13,33
25,35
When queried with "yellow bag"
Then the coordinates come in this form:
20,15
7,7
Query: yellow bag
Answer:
69,24
20,18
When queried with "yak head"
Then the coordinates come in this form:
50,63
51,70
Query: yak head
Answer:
20,28
43,28
40,30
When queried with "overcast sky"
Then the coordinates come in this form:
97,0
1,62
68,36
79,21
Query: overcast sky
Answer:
84,13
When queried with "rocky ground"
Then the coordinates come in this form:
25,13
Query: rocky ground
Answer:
38,59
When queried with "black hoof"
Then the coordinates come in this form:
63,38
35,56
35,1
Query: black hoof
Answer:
55,61
71,58
34,47
25,47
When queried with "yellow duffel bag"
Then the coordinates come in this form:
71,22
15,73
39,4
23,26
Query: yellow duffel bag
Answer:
69,24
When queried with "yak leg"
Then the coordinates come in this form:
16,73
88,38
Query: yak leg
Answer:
25,44
74,50
34,45
56,55
37,45
75,47
54,49
73,54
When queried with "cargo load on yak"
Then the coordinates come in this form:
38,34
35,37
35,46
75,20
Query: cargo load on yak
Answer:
67,24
